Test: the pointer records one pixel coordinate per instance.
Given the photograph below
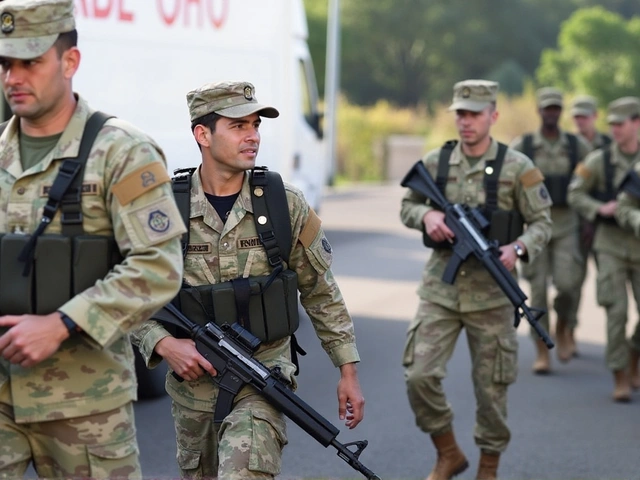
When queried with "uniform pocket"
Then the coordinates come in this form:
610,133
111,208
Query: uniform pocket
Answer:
505,367
409,346
265,455
605,289
106,459
189,462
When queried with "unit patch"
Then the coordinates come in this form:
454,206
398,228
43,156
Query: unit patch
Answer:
139,182
252,242
159,221
154,223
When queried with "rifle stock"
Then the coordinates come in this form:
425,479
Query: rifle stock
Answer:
467,224
230,351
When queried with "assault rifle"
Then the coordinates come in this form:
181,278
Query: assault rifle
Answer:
631,184
467,224
230,350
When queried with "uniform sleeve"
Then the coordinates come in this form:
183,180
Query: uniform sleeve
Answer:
414,205
516,143
311,258
534,203
583,181
628,213
146,337
147,228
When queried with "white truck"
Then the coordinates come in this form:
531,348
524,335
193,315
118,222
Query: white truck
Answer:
141,57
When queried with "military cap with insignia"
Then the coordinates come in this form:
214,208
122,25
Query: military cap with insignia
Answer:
228,99
622,109
28,28
549,97
474,95
583,105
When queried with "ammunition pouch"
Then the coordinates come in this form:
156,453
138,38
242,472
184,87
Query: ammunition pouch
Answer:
505,226
267,305
62,268
558,185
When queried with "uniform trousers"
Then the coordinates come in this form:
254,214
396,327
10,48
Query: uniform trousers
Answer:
246,445
613,274
493,347
102,445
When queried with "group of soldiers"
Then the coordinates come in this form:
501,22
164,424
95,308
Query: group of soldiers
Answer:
552,199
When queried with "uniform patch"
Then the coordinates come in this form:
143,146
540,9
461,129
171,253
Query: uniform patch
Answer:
582,171
326,245
139,182
156,222
310,230
531,177
159,221
201,248
88,188
249,242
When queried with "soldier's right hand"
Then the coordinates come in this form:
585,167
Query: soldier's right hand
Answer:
183,358
608,209
436,228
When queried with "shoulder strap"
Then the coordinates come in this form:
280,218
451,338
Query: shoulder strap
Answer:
608,172
573,150
527,146
66,191
606,139
271,214
491,177
443,164
181,186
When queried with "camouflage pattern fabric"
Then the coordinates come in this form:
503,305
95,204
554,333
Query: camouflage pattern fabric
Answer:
493,346
474,301
247,445
101,445
220,252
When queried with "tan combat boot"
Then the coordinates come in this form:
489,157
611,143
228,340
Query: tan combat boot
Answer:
488,466
622,389
563,342
451,461
542,364
634,373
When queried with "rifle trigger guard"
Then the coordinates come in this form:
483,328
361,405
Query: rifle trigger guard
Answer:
360,446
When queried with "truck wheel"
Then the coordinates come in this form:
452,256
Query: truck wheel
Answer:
150,382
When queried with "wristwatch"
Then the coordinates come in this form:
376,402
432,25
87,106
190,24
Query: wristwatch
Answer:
70,324
519,250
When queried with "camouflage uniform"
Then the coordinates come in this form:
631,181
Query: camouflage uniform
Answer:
71,414
249,442
474,301
562,258
616,246
587,106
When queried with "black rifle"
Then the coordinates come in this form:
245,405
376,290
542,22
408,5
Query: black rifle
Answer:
466,224
631,184
230,350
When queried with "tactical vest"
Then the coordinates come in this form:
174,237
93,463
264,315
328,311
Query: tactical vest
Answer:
557,185
609,192
267,305
505,226
40,272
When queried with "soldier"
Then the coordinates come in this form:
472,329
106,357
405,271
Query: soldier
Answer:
474,301
592,193
223,247
67,378
555,153
584,111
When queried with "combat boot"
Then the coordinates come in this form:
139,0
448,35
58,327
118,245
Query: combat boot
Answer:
622,389
542,364
451,461
563,343
488,466
634,373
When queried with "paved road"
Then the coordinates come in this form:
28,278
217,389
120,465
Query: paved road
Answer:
564,426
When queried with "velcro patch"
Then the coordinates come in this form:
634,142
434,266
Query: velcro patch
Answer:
310,229
249,242
139,182
88,188
531,177
159,221
200,248
582,171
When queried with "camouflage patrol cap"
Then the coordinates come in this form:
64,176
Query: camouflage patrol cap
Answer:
28,28
549,97
229,99
623,108
584,105
473,95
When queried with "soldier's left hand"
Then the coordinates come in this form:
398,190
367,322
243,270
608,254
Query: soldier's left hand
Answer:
31,338
350,399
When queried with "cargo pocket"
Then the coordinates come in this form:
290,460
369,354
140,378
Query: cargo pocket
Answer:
505,367
106,459
189,462
409,346
265,456
604,289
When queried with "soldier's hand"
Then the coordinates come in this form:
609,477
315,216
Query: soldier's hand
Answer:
608,209
183,358
436,228
31,338
350,399
508,256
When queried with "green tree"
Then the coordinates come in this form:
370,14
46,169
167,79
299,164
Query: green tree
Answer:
596,54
